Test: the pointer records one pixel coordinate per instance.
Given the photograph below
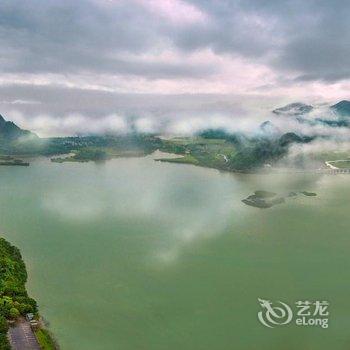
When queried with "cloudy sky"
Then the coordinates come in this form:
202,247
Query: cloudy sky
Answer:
93,65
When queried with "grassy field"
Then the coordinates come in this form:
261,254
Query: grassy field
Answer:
341,164
187,159
212,153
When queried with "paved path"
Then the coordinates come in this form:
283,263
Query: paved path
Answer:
22,337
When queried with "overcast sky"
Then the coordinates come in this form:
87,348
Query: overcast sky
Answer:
72,66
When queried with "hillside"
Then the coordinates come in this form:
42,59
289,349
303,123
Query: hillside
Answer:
293,109
9,131
342,108
14,300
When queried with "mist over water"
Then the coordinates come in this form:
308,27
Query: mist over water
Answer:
137,254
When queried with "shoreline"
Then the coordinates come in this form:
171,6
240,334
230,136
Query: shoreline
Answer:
186,159
21,325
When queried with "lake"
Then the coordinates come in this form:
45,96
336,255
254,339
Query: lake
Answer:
135,254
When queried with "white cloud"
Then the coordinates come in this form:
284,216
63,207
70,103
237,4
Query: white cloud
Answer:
176,11
20,102
71,124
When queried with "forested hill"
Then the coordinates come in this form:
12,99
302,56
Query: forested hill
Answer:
14,299
9,131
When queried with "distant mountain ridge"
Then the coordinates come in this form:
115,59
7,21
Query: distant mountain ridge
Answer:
9,131
342,108
296,108
339,114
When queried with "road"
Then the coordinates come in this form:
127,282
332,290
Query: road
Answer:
22,337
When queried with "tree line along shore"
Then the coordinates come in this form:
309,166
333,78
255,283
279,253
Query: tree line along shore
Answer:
15,303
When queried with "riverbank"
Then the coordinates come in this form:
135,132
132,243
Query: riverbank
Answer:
17,309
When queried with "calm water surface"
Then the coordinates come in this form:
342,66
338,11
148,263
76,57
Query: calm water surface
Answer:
134,254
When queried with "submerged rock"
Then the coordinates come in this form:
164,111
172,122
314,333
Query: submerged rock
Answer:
257,202
263,199
309,194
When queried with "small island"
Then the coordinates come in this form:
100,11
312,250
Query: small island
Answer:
309,194
10,161
264,199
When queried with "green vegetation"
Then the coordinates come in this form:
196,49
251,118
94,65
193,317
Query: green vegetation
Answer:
84,155
231,152
64,145
14,300
9,131
234,153
341,164
265,194
14,141
213,148
8,160
4,343
187,159
45,339
96,154
263,199
309,194
211,153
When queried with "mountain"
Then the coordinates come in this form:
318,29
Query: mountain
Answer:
334,123
342,108
299,111
340,117
293,109
9,131
291,137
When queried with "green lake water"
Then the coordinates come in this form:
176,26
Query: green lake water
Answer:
139,255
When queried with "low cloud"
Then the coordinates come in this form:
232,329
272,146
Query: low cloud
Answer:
320,146
72,124
20,102
170,115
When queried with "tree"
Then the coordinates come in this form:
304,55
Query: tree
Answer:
14,313
3,324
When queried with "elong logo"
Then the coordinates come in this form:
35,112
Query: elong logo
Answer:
274,315
279,313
